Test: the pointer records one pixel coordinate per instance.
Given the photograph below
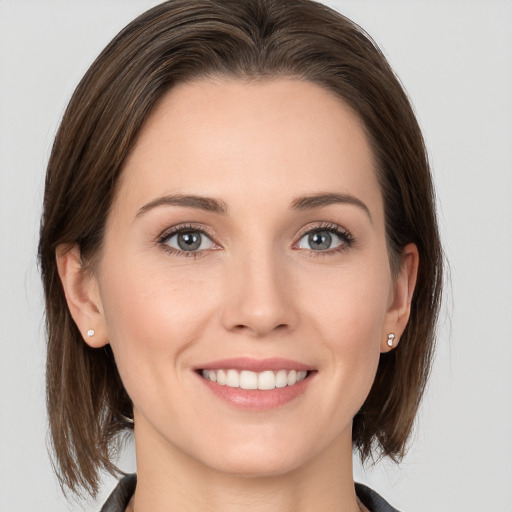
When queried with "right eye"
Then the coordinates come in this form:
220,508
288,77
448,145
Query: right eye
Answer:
188,240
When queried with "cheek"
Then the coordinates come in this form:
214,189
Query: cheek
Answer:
153,316
345,314
350,303
143,300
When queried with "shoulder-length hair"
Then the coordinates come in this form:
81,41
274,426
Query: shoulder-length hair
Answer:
180,41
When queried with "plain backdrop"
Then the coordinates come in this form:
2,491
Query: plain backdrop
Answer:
455,60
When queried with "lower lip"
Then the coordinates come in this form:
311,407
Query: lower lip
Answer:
256,399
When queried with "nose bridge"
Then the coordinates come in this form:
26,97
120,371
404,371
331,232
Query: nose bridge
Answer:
258,298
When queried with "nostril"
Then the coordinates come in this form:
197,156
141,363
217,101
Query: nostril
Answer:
243,326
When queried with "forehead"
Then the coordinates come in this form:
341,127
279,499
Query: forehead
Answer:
227,137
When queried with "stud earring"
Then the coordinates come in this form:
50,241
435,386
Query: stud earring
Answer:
90,333
391,338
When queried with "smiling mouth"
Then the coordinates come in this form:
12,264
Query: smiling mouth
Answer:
246,379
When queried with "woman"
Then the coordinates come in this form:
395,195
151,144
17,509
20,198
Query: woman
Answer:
241,261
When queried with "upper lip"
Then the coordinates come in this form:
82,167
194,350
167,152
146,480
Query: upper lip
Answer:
255,365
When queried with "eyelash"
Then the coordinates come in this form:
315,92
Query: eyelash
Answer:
166,235
347,239
344,235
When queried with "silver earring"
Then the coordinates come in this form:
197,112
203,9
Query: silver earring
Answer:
391,338
90,333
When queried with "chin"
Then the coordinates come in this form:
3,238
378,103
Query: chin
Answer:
258,456
258,465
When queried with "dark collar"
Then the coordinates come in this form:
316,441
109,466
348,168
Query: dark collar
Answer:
373,501
121,495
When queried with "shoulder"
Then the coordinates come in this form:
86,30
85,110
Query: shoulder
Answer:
121,495
373,501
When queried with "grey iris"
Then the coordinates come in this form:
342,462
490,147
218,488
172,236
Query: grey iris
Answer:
320,240
189,241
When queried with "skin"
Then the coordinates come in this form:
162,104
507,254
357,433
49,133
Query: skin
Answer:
258,289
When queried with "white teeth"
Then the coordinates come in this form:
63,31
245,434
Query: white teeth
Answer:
246,379
232,379
281,379
221,377
266,380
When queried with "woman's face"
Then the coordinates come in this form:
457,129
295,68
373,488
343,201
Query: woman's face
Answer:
247,243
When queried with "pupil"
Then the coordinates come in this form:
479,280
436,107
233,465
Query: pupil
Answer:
190,241
320,240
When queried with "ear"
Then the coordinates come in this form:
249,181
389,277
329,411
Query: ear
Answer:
400,305
82,295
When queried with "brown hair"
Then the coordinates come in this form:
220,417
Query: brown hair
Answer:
182,40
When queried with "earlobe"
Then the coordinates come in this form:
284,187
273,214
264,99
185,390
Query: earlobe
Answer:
403,289
82,295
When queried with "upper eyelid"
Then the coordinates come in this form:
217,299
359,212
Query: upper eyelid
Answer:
324,225
311,227
173,230
164,237
343,233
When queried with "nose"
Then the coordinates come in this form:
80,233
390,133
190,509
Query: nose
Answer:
259,296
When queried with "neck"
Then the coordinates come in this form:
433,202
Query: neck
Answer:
168,479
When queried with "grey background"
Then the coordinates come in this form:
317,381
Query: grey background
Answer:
455,60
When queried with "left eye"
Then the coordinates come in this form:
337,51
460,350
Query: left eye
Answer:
189,241
322,240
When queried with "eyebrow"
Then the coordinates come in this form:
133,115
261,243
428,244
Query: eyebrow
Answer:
208,204
325,199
